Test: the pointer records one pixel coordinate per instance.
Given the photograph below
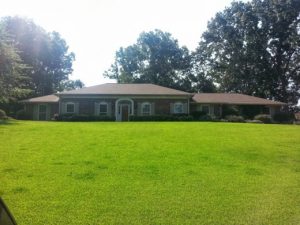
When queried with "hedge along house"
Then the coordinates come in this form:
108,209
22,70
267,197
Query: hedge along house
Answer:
215,104
123,100
114,100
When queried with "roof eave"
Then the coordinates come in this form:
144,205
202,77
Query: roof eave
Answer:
187,94
25,101
242,103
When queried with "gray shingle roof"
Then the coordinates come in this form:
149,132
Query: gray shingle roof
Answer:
151,89
125,89
233,98
42,99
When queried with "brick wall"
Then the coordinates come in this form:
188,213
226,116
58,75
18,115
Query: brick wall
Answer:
87,105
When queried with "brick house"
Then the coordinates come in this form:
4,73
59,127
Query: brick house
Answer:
122,100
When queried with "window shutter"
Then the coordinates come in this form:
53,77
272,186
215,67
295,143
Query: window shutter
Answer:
76,108
96,105
35,112
185,108
63,109
139,109
171,108
109,108
48,112
152,108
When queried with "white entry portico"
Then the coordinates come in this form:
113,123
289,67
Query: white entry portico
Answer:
124,108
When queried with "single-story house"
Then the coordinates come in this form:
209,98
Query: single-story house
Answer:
297,116
123,100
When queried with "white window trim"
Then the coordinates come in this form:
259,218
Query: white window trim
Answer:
70,103
106,113
39,112
142,107
174,108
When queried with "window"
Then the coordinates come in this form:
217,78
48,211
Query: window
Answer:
103,109
146,109
178,108
70,107
205,108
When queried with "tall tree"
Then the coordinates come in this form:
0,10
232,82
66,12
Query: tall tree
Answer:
46,54
11,70
71,85
254,48
155,58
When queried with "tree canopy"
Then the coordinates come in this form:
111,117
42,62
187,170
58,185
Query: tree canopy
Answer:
254,48
46,55
11,70
155,58
250,47
71,85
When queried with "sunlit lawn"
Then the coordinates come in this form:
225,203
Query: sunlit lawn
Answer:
150,173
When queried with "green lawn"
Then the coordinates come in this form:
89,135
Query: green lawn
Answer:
150,173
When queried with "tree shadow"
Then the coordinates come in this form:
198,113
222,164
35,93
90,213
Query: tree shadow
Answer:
8,122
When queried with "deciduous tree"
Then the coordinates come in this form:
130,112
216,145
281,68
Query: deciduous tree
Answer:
46,55
254,48
155,58
11,70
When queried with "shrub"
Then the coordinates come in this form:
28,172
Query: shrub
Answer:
223,120
2,114
235,119
198,114
55,116
162,118
249,111
206,118
82,118
283,117
23,115
265,118
229,110
253,121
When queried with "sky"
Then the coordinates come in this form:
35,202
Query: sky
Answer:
96,29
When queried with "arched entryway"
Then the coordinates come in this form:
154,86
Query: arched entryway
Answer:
124,108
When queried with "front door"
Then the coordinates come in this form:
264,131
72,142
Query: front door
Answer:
125,112
42,112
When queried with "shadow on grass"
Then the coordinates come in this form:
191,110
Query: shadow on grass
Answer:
83,176
8,122
18,190
9,170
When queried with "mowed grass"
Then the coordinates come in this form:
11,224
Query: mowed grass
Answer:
150,173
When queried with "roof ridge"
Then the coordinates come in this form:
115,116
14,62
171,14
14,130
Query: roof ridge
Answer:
127,88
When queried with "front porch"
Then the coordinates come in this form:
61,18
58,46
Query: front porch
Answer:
222,110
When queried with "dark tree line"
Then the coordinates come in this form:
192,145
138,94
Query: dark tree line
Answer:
33,62
250,47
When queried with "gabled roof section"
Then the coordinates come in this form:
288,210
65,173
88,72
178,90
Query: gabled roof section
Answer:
42,99
125,89
233,98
